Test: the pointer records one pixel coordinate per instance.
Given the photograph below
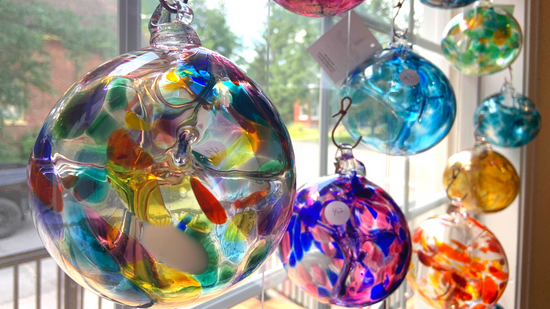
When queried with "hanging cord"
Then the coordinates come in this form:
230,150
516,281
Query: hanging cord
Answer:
398,33
170,9
342,112
349,43
511,81
454,176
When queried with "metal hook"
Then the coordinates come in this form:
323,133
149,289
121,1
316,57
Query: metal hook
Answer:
456,172
342,112
170,9
511,76
395,34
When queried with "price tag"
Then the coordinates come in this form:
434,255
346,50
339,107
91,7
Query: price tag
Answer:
337,213
331,50
409,77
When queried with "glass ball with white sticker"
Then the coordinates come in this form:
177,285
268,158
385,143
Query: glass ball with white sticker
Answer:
402,103
348,243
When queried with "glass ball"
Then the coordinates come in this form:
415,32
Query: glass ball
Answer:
348,243
482,41
162,178
402,104
457,263
508,119
318,8
447,4
485,180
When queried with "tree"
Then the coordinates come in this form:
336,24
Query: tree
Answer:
210,23
293,74
26,28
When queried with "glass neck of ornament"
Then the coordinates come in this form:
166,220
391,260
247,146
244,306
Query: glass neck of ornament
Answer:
346,164
484,3
456,210
173,33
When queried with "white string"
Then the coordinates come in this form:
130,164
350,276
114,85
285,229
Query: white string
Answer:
348,59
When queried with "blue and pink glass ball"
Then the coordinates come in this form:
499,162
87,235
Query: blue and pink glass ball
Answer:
348,243
403,104
165,176
319,8
447,4
508,119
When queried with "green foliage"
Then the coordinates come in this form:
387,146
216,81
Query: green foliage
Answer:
26,27
210,23
17,151
293,74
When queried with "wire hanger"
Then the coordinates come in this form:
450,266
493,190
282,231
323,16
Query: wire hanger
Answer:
342,112
398,33
456,172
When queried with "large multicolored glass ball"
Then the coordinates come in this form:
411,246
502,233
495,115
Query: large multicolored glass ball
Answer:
482,178
447,4
164,177
319,8
508,119
482,41
348,243
457,263
402,103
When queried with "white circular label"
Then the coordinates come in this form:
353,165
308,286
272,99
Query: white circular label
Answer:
409,77
337,213
210,148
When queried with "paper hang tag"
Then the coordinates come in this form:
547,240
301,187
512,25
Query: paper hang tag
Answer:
331,49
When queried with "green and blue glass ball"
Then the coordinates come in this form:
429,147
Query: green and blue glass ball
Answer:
402,103
447,4
164,177
508,118
483,40
347,243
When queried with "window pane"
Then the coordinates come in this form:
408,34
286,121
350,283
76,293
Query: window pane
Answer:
45,46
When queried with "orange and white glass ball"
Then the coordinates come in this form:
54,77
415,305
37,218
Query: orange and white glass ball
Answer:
457,263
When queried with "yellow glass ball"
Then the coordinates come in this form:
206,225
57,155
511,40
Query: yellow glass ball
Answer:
483,178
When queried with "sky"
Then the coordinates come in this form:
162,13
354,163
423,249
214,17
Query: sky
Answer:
247,19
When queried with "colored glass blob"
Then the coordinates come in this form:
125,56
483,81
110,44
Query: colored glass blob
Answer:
348,243
508,118
484,180
402,103
319,8
165,176
447,4
457,262
483,40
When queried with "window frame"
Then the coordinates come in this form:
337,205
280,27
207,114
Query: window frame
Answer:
461,137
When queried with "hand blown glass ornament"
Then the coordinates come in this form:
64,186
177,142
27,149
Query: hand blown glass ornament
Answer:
403,104
318,8
457,263
486,182
483,40
348,243
165,176
508,119
447,4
